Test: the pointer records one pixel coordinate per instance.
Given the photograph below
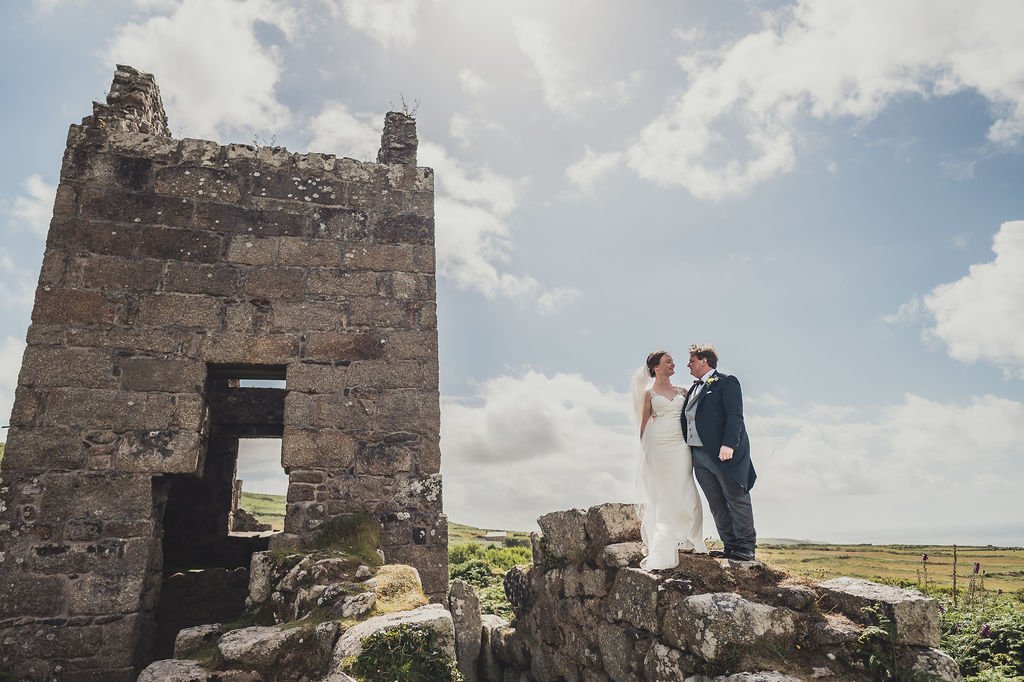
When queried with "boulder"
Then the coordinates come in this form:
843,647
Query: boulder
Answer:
261,569
510,645
928,664
297,649
915,617
666,664
536,549
834,631
173,670
612,523
432,616
634,599
616,647
581,581
621,554
517,589
357,605
564,537
464,606
796,597
190,640
767,676
241,521
257,646
713,624
490,668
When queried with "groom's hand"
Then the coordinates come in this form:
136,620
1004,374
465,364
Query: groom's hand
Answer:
725,453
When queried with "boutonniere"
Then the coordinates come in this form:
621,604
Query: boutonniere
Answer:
710,381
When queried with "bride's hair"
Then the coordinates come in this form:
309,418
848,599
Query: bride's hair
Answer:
653,360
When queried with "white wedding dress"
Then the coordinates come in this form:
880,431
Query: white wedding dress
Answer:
672,516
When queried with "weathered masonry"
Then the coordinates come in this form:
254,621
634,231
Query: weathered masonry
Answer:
175,270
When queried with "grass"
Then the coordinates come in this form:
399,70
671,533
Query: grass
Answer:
267,508
1002,568
460,534
397,589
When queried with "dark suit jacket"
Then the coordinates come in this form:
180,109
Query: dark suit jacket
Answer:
719,422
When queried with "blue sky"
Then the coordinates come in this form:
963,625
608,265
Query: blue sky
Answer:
829,192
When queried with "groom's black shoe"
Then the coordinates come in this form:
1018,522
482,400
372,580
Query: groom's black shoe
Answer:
718,554
739,555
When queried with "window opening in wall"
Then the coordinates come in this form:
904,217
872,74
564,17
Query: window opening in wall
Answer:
261,383
205,559
261,487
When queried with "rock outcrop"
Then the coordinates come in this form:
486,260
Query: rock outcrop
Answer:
308,615
586,611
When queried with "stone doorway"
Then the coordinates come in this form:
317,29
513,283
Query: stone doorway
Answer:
205,565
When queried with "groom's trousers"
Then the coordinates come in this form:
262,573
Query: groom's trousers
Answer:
728,500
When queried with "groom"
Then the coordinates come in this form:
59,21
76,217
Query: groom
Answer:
713,428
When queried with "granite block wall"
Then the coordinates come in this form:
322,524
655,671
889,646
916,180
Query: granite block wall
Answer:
172,269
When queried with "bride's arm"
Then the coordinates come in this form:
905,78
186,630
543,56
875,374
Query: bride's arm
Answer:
646,415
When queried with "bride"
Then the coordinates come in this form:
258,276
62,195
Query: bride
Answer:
672,519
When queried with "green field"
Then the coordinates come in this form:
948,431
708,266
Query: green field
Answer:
1001,568
266,508
459,534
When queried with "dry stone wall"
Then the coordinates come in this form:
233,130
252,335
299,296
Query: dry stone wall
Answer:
586,612
172,269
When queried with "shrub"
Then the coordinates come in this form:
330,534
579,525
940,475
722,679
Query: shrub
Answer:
484,567
986,639
476,572
406,652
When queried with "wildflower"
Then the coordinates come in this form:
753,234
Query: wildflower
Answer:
977,567
985,631
924,558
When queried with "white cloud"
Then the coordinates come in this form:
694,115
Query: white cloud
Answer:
337,130
559,75
473,237
17,289
530,444
45,6
471,82
389,22
471,207
980,316
550,302
259,466
29,213
907,312
586,172
213,72
526,445
11,350
910,471
827,60
465,128
32,211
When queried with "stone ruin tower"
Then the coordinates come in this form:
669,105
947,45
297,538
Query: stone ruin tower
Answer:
174,271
